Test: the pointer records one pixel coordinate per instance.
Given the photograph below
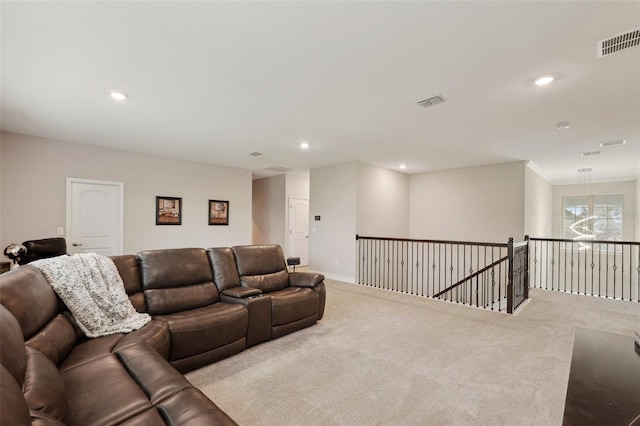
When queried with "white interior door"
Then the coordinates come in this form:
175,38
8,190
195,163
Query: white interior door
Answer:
95,216
299,229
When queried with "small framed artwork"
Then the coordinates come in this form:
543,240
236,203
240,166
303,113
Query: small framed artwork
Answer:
218,212
168,211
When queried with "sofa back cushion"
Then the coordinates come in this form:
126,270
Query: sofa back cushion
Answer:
12,353
26,293
43,386
130,273
225,271
29,297
262,266
176,280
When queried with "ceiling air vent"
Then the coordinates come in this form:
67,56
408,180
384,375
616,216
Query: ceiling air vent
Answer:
591,153
277,169
255,154
430,101
618,42
613,143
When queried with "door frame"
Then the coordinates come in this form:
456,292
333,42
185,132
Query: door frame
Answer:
120,186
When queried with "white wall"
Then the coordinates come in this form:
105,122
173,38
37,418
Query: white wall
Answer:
269,195
538,195
637,212
627,188
297,186
472,204
382,203
332,243
2,245
34,172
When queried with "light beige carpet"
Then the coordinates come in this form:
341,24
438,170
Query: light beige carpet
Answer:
382,358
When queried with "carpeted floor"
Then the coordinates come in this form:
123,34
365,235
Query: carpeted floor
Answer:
382,358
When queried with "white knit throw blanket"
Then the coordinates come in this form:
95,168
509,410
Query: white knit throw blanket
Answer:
91,287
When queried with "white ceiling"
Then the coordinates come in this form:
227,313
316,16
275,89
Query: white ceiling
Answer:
215,81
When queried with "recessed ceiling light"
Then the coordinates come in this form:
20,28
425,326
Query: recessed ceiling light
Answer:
613,143
119,96
403,166
587,170
564,125
304,145
543,81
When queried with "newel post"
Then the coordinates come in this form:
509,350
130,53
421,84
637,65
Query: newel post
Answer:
510,276
526,268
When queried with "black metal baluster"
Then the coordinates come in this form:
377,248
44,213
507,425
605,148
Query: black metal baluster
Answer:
600,269
422,269
592,266
434,268
622,270
615,269
607,275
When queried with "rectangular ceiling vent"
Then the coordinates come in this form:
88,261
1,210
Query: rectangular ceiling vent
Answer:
591,153
430,101
256,154
277,169
613,143
619,42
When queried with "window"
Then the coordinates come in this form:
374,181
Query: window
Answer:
592,217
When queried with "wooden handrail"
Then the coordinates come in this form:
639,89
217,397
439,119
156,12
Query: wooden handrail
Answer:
468,243
470,277
564,240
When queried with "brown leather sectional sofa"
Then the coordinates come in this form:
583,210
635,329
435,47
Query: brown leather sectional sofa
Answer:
205,305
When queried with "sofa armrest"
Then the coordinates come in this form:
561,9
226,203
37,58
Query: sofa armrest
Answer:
305,279
241,292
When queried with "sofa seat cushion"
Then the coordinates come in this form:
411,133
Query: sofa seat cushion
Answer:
101,391
292,304
174,397
90,350
200,330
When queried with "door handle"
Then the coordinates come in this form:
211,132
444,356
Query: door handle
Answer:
76,244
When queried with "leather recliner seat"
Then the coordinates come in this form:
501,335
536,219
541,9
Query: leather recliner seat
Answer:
297,299
178,289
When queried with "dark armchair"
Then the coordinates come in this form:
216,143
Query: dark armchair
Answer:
43,249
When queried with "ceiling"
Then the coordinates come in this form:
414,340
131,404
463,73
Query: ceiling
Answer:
216,81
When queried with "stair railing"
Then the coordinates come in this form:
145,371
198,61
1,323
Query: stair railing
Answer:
478,274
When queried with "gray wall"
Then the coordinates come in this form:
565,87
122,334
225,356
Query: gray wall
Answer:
637,210
332,196
269,200
33,197
538,195
472,204
383,202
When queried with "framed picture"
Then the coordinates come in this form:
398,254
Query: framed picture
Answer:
168,211
218,212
